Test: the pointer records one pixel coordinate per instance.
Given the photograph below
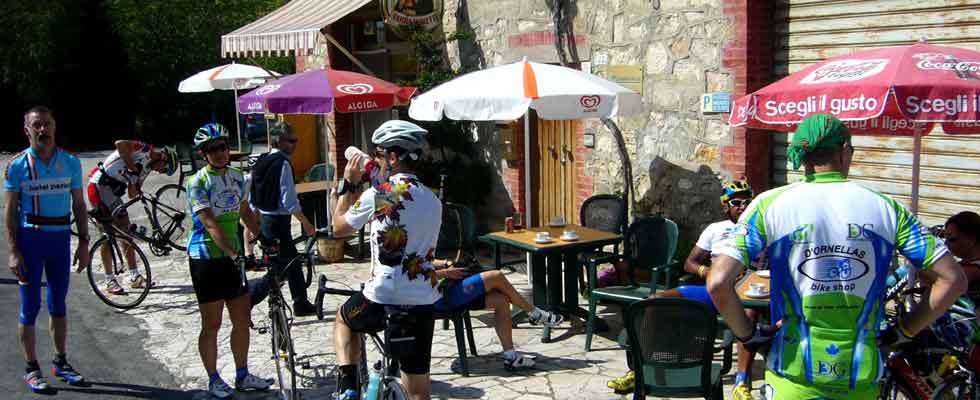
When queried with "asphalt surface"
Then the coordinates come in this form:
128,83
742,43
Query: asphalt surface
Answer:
103,345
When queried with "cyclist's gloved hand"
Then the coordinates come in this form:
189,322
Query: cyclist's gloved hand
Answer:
893,335
761,338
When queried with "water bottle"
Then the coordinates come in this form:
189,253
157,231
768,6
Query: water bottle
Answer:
367,162
137,230
374,383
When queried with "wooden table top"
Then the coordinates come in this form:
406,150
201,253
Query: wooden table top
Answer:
524,238
743,287
309,187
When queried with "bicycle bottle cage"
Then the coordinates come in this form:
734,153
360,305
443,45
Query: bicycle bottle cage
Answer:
399,331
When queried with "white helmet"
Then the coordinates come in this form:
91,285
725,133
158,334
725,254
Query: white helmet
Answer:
403,134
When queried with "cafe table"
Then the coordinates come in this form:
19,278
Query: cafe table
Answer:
549,290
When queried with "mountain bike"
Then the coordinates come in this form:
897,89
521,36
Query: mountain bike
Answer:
168,230
383,380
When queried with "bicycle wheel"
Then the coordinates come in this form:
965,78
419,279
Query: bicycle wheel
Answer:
170,215
114,246
956,387
285,357
393,390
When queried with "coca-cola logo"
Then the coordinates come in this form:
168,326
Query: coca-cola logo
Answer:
267,89
946,62
356,88
845,71
590,102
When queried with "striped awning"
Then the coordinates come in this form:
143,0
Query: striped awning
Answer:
292,27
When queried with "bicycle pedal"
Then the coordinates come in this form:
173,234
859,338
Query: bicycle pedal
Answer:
263,331
305,365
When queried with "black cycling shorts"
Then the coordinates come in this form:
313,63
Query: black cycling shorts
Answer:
363,315
216,279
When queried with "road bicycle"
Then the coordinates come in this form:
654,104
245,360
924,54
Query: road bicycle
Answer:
281,316
383,380
169,225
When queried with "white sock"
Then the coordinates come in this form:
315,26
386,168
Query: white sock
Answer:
133,273
110,277
535,314
510,354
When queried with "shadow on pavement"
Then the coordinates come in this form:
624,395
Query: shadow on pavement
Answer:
128,391
445,390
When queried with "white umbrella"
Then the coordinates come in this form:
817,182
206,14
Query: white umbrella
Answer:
233,77
506,92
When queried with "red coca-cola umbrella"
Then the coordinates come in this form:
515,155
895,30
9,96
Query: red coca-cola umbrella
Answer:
903,90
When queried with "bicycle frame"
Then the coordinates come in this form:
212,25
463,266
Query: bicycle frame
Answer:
158,241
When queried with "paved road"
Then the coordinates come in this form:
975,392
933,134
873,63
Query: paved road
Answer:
103,345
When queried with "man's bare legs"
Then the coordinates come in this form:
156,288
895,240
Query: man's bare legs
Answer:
502,320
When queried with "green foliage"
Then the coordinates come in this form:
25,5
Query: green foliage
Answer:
428,49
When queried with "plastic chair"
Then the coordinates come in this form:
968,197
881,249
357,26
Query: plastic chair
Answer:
674,359
651,243
319,172
454,237
604,212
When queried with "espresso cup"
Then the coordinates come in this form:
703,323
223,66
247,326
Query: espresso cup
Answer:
542,236
757,288
569,233
557,220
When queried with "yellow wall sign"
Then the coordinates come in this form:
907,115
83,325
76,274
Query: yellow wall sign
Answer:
628,76
425,13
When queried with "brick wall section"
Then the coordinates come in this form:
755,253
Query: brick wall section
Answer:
749,57
342,125
583,181
513,170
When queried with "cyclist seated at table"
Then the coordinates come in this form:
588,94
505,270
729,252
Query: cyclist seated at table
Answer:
735,197
124,170
490,289
962,236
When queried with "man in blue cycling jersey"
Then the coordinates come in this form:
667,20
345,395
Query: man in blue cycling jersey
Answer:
43,186
829,243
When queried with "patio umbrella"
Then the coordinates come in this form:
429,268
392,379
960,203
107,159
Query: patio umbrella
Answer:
508,91
903,90
232,77
321,91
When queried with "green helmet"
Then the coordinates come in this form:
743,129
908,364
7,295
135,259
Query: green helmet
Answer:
207,133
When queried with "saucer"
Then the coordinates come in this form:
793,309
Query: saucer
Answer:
542,241
554,225
756,295
763,273
569,238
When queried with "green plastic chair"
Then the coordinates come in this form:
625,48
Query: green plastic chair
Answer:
457,232
672,342
319,172
651,243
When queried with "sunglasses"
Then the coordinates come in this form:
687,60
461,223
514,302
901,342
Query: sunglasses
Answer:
951,239
214,148
739,202
293,140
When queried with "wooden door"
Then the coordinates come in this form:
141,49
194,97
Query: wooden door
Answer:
553,171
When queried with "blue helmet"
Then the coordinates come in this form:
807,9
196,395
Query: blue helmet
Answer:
208,132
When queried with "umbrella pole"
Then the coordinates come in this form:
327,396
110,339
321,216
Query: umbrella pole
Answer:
326,163
916,161
527,170
238,122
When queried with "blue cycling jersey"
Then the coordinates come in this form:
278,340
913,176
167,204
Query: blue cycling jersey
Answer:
45,188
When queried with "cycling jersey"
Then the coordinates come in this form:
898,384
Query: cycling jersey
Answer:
830,244
223,192
405,221
45,188
115,167
714,235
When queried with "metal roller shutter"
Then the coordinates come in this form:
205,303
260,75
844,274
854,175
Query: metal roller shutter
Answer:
808,31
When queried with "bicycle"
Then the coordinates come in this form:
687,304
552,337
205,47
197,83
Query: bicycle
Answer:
167,224
281,317
383,380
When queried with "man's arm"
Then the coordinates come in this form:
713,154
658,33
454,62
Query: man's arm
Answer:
721,285
80,211
289,199
211,225
950,283
341,227
125,149
695,263
248,218
15,260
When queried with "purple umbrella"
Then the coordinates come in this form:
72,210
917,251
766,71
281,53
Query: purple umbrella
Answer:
304,93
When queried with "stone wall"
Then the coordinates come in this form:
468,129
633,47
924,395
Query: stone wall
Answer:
674,148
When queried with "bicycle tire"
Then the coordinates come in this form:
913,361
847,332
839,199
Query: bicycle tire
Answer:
318,300
130,299
282,342
393,390
955,387
895,389
173,196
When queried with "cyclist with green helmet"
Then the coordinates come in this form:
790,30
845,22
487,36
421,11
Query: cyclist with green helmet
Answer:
216,197
125,170
829,243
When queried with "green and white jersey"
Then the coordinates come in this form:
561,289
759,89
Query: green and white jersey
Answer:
222,192
829,243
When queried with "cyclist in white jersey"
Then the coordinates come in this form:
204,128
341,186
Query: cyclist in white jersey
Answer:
124,171
830,244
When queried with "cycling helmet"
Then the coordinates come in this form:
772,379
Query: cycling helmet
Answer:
731,188
403,134
170,157
207,133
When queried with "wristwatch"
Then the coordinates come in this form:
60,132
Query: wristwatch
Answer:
345,186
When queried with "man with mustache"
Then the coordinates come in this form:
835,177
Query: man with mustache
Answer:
43,186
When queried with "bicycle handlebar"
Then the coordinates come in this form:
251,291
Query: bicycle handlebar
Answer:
338,292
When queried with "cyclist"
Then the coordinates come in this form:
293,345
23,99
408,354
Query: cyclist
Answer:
491,289
273,193
735,197
216,201
43,186
124,171
403,236
829,243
